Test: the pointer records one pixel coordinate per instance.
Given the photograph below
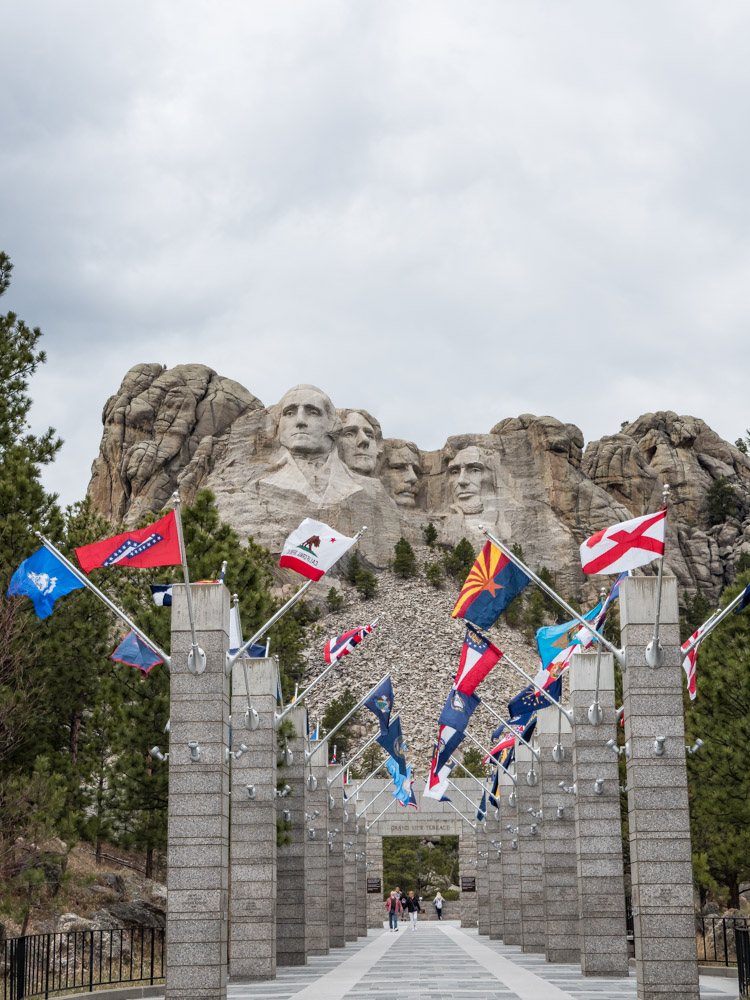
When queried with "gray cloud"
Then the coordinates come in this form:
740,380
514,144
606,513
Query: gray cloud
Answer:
445,213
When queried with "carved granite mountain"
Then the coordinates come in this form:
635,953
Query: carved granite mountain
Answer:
528,480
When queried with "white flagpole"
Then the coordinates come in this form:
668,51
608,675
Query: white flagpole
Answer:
654,651
487,753
196,656
460,792
472,825
595,713
617,653
372,774
351,761
566,712
102,597
710,624
391,803
502,722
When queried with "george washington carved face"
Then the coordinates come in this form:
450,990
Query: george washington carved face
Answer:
308,424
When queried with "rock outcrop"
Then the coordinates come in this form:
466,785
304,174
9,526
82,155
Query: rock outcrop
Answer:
529,479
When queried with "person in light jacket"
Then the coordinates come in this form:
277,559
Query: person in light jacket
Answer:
438,901
393,907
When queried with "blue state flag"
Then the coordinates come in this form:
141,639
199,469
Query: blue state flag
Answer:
494,791
554,639
530,700
745,600
380,703
43,578
482,808
449,740
392,741
458,710
135,652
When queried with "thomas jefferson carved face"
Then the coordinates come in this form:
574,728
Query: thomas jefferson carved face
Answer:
358,442
402,475
307,423
468,475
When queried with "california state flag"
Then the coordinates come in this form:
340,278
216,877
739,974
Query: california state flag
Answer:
313,548
626,545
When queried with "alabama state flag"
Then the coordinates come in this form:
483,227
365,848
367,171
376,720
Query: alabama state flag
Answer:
626,545
313,548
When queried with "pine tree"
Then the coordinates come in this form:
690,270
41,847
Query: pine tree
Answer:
334,600
335,712
429,532
367,584
434,575
459,562
405,563
720,772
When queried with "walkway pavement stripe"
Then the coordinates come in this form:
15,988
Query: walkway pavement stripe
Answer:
337,983
522,982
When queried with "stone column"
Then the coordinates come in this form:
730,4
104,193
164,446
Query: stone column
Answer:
375,900
530,851
511,866
316,857
659,819
495,886
253,827
336,896
360,839
560,879
601,887
198,810
291,899
483,889
467,868
350,872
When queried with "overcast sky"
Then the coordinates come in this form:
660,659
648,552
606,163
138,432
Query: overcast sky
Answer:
445,212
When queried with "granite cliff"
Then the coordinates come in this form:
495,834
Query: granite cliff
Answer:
530,479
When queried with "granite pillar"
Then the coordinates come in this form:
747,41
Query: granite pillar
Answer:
198,809
559,873
467,873
350,872
659,819
360,841
495,887
601,887
530,851
291,898
316,856
511,866
336,840
376,914
253,827
483,889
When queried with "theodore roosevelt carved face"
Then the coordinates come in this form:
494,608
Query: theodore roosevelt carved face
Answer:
308,424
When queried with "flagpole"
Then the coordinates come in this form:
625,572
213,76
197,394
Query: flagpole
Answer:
565,711
595,713
357,754
346,717
196,656
713,621
391,803
382,790
472,825
655,656
372,774
103,597
502,722
617,653
460,792
485,751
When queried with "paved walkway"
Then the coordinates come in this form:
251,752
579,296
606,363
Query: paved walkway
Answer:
442,961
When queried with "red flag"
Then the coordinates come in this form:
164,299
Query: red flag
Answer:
156,545
626,545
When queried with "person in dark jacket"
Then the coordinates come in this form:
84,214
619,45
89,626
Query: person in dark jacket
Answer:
412,908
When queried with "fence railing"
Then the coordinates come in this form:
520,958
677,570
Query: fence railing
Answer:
42,965
742,947
716,938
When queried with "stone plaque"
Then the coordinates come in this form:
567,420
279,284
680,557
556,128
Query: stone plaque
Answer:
373,885
468,883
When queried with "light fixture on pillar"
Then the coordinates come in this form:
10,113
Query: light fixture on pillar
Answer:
156,753
312,783
283,792
195,751
514,845
346,816
695,747
568,789
512,799
236,754
561,812
612,744
287,758
659,747
251,793
311,834
252,719
330,847
532,829
286,815
313,815
558,753
598,786
532,778
331,802
624,789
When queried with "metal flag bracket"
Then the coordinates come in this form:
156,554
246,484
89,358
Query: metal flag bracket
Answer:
655,656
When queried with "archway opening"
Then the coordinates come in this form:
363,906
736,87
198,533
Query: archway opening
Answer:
423,864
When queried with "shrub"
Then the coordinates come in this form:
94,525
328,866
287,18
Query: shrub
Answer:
405,563
429,532
434,573
366,584
334,600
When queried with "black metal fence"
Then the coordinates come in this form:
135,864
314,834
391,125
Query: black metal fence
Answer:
742,947
716,938
43,965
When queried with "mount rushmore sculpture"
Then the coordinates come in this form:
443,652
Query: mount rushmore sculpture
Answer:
528,479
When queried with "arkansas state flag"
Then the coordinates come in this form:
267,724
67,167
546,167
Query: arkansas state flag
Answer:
491,585
156,545
624,546
313,548
478,657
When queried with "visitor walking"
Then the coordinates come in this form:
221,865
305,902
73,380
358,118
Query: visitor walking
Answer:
412,906
438,901
393,906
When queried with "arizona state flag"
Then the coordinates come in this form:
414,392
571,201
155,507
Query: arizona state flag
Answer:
156,545
491,585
